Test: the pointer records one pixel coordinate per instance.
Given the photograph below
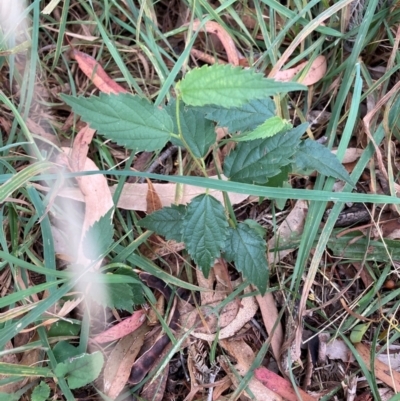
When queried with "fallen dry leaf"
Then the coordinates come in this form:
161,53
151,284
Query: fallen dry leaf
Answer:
316,72
280,385
291,227
350,155
244,356
152,199
119,364
94,71
133,196
80,148
247,310
382,371
269,313
122,329
228,43
94,192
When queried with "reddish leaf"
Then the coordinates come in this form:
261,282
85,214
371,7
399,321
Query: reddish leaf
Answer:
122,329
152,199
280,385
93,70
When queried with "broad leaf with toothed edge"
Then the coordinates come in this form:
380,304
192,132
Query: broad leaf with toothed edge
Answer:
228,86
204,230
198,132
98,237
269,128
247,249
243,118
130,121
167,222
313,155
256,161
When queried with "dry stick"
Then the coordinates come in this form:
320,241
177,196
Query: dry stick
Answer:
160,160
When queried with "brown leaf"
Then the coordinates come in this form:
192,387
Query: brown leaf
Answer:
93,70
123,328
133,196
382,371
152,199
315,73
80,148
154,390
96,195
228,43
269,313
246,312
119,364
244,356
291,226
350,155
280,385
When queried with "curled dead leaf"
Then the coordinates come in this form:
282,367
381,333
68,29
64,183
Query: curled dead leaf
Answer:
316,72
228,43
94,71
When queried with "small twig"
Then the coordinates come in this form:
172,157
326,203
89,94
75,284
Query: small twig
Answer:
213,375
160,160
183,362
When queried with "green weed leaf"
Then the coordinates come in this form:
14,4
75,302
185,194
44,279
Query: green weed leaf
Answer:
98,237
358,332
269,128
81,370
122,296
228,86
204,230
256,161
64,350
128,120
243,118
198,133
313,155
41,392
246,247
167,222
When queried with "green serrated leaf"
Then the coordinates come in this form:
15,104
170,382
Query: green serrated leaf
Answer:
204,230
228,86
256,161
137,289
269,128
247,249
130,121
243,118
122,296
167,222
81,370
99,237
41,392
313,155
198,132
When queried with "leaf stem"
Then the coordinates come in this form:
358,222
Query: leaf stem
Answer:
228,205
